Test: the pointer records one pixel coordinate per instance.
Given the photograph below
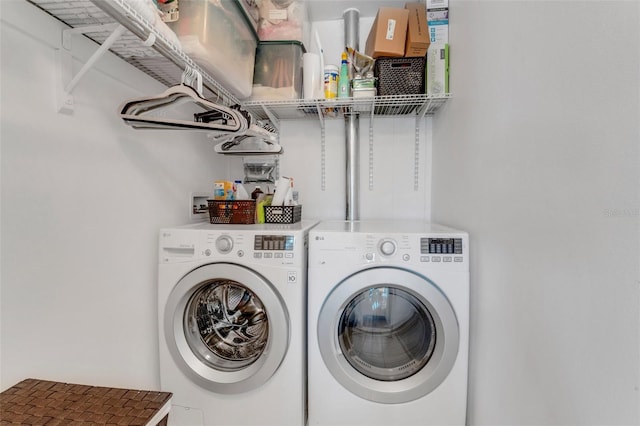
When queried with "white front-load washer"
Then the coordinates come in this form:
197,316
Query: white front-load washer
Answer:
388,324
232,324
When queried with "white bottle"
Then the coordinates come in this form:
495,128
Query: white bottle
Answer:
240,192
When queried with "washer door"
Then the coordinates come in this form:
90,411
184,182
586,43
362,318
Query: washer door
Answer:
388,335
226,327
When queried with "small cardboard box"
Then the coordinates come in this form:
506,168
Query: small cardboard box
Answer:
438,69
438,21
388,33
436,4
417,31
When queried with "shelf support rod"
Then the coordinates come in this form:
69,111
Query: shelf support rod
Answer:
372,114
323,148
272,118
416,155
65,100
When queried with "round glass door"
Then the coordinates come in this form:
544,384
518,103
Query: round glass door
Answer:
388,335
226,327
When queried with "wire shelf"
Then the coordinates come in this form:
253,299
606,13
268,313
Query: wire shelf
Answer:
334,108
162,60
165,62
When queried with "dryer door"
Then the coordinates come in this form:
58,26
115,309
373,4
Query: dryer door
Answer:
227,328
388,335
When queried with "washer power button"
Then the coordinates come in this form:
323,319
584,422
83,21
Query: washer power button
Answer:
224,244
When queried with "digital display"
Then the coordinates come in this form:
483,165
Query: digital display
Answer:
273,242
441,245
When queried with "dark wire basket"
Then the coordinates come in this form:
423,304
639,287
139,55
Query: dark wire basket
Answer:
232,211
400,76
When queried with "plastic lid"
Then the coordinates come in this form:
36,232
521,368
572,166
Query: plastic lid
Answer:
331,68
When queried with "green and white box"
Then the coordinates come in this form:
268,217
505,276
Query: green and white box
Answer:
437,79
438,21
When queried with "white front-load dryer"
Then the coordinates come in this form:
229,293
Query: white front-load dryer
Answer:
232,324
388,324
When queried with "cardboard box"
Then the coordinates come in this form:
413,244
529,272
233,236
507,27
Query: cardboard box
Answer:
437,4
438,69
417,31
438,26
388,33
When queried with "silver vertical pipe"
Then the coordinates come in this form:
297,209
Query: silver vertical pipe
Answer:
352,136
351,18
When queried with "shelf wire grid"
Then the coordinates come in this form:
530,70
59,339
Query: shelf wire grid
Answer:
162,61
335,108
165,62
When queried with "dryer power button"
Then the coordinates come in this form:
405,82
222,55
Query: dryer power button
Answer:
387,247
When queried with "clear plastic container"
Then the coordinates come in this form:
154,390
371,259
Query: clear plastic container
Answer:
278,70
219,38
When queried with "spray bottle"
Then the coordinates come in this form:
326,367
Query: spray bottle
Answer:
343,80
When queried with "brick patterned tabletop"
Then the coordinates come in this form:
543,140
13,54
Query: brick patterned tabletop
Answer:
41,402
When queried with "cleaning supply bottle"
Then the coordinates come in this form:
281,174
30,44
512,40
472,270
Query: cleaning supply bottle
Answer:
343,79
239,192
223,190
256,192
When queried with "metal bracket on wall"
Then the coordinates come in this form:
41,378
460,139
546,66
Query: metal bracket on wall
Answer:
66,80
371,148
323,150
416,156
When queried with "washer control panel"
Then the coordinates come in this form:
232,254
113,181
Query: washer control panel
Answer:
272,247
274,242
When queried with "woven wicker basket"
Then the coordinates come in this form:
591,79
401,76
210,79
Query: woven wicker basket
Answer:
42,402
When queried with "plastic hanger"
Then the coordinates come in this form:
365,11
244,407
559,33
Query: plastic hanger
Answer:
138,112
248,145
154,112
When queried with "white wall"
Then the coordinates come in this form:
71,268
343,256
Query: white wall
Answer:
83,197
390,160
538,156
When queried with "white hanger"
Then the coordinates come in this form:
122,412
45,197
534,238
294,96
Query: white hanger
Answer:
221,121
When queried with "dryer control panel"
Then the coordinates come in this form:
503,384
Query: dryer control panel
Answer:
441,245
433,250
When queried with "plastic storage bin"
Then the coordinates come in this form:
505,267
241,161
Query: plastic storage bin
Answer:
278,70
284,20
218,36
282,214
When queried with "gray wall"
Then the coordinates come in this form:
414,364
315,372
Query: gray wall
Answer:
538,156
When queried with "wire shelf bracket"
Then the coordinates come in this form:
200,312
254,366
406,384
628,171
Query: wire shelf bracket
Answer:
66,81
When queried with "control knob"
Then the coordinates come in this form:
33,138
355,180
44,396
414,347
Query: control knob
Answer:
224,244
387,247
